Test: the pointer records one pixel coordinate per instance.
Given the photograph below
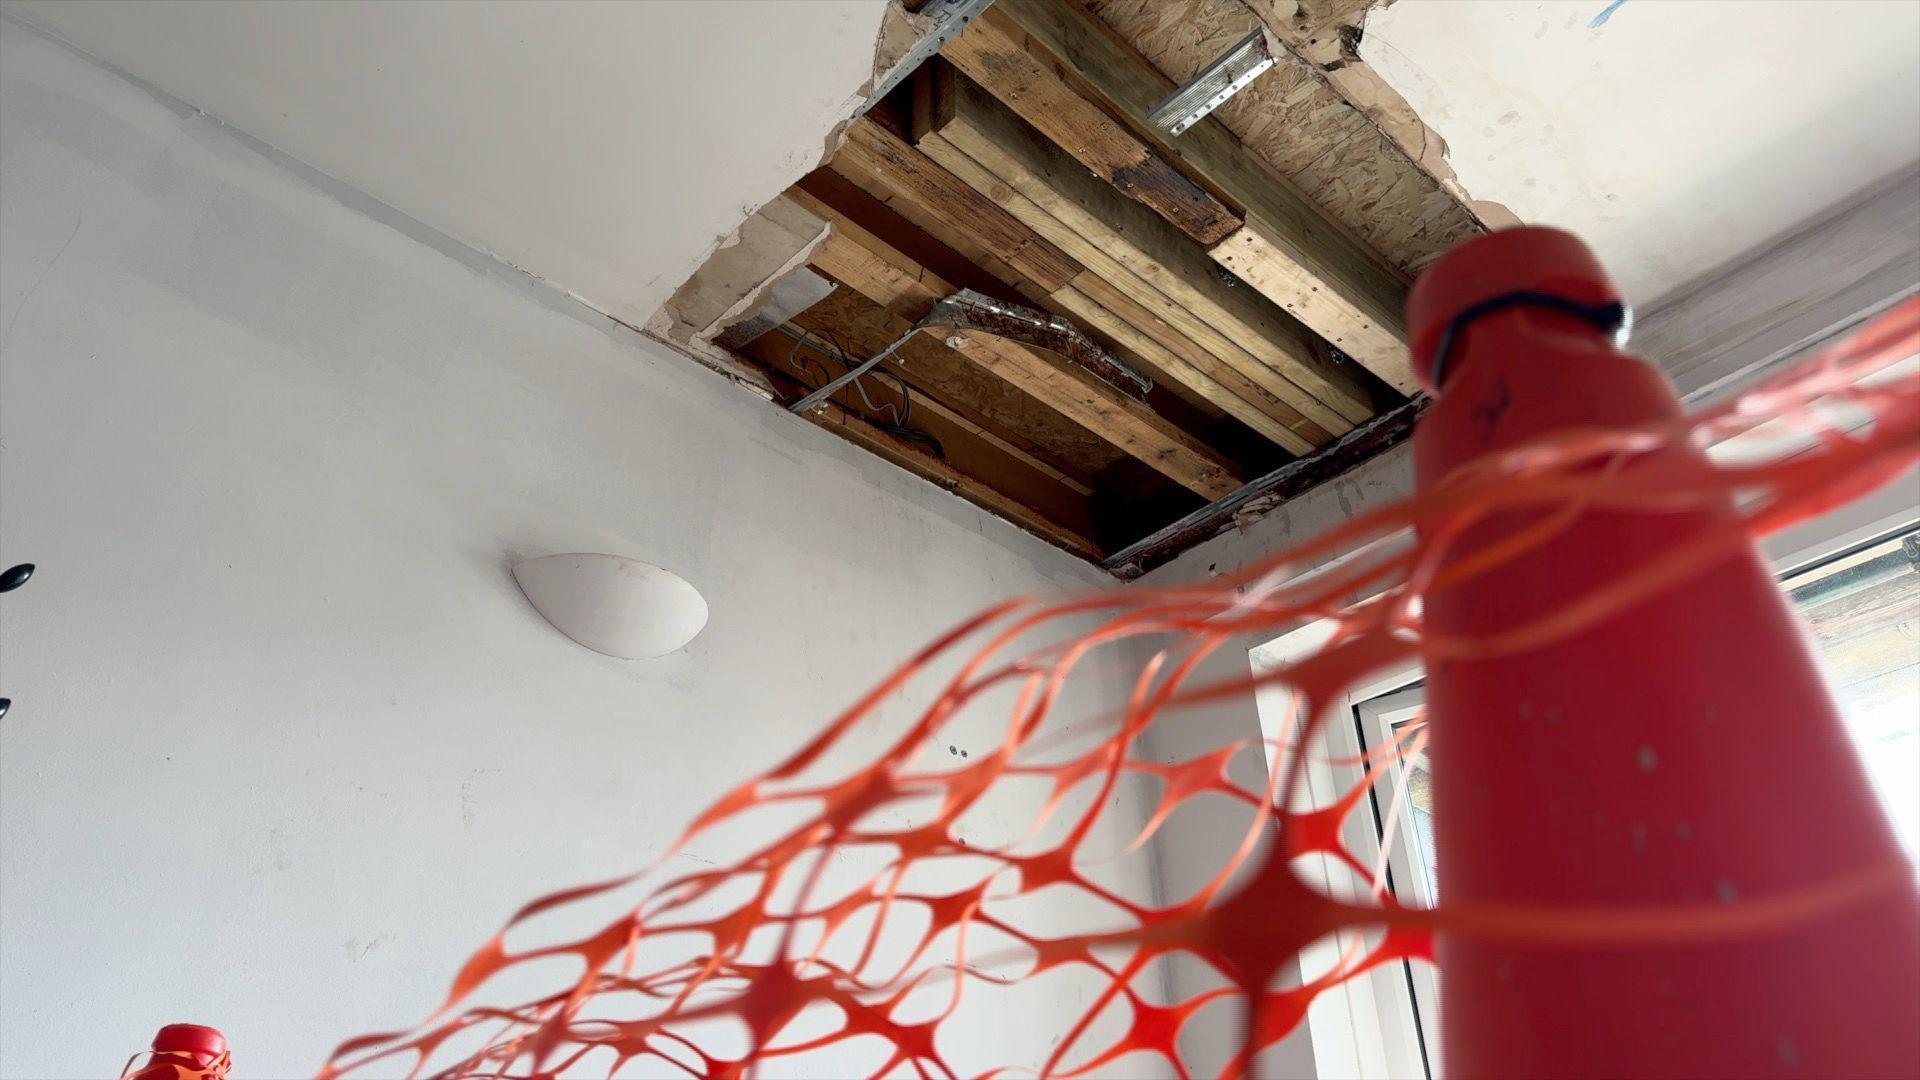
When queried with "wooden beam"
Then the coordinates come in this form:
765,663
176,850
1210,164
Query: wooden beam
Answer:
1021,450
885,275
1289,481
959,125
942,382
1056,65
938,469
945,220
1091,299
952,211
921,462
955,212
883,163
997,52
1119,316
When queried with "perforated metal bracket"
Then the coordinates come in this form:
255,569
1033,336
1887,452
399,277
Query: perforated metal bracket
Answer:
1249,58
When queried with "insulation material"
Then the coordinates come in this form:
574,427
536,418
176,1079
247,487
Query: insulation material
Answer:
834,925
1305,129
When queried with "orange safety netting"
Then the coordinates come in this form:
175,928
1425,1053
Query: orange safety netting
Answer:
784,951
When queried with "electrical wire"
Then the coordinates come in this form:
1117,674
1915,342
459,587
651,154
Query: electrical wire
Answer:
896,421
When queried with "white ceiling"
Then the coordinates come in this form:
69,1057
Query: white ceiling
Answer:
1673,134
604,147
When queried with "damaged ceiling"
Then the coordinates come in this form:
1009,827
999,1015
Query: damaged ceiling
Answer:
1252,268
1244,279
1206,322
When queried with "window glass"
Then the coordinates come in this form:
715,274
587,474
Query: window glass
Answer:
1419,783
1863,610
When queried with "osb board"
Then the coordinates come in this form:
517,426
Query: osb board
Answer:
1305,129
1327,34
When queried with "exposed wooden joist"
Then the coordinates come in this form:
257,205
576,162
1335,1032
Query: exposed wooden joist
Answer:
896,282
1056,66
944,472
952,210
957,123
996,52
1092,299
883,163
949,210
1105,309
942,382
922,462
1370,439
1021,450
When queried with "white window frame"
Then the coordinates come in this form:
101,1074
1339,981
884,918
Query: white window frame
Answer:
1365,1028
1371,1028
1375,719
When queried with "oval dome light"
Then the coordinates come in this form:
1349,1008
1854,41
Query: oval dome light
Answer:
621,607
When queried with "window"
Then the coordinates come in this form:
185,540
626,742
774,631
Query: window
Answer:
1858,590
1863,610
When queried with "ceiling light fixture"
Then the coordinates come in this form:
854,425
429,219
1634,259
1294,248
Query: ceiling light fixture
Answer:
620,607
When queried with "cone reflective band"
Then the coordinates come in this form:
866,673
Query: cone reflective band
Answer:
1678,753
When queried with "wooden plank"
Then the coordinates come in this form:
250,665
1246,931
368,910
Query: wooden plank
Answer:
997,52
885,165
1357,321
858,212
1118,315
964,259
944,470
954,118
1295,478
921,462
960,257
1173,356
1170,359
942,381
1020,451
1128,424
1287,247
888,277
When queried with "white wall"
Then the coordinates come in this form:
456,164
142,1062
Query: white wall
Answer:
286,742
